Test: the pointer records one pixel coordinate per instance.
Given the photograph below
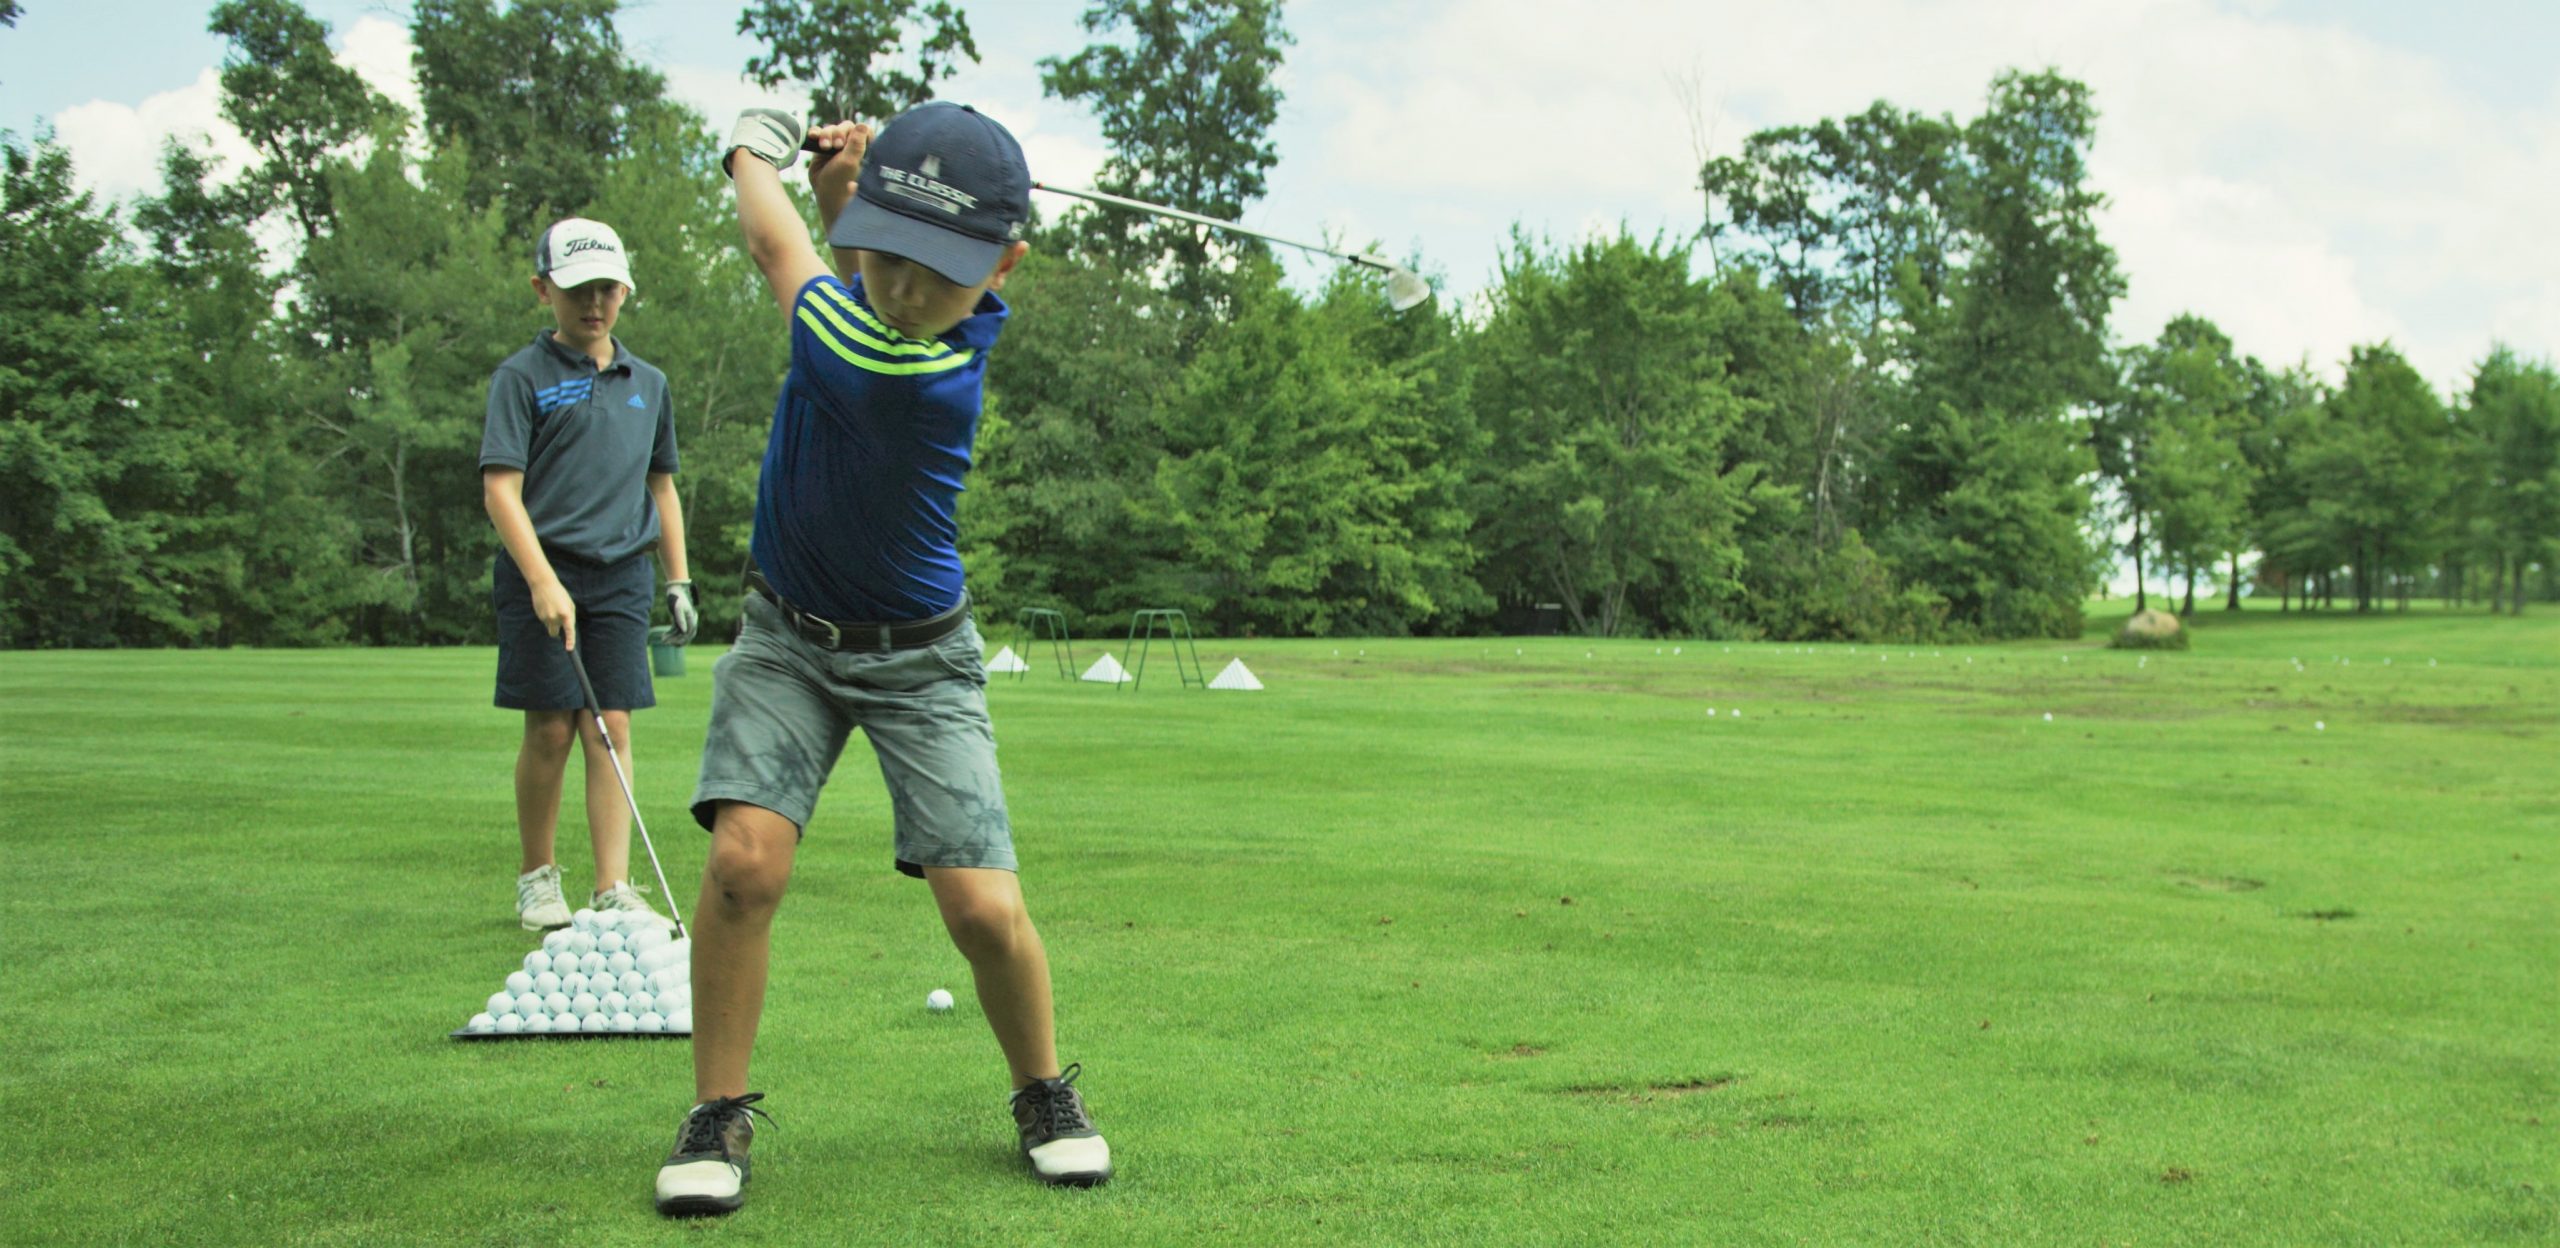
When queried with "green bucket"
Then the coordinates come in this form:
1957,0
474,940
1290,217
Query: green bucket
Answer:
664,659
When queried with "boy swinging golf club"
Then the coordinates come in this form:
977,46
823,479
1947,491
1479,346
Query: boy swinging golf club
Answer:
855,614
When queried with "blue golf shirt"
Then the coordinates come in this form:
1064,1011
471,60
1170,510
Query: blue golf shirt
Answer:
871,437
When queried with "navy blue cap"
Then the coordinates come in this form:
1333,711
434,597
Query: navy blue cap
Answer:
942,186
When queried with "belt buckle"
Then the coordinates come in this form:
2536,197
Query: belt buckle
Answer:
835,636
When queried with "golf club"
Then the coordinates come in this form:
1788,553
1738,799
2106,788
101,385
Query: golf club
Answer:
1405,288
613,756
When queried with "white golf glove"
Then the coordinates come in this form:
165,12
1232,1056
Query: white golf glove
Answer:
770,134
682,618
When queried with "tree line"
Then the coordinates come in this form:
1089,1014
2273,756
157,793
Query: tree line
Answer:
1873,396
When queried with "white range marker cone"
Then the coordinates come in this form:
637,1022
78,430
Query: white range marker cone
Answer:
1106,670
1007,661
1235,675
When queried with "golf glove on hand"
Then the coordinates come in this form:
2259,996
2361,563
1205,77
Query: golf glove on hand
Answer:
682,618
770,134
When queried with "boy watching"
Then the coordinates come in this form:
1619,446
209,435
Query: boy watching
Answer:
577,471
856,616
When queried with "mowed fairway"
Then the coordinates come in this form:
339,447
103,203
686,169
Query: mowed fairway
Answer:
1433,942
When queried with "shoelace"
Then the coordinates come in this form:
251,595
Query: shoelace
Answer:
1056,1108
702,1126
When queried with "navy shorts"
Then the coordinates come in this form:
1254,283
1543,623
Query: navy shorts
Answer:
613,636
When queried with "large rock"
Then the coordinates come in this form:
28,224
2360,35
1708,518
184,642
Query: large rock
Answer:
2152,630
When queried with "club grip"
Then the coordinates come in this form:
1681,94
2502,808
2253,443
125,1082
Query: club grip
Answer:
586,688
809,143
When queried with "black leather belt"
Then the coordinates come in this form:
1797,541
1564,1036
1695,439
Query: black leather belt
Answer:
862,635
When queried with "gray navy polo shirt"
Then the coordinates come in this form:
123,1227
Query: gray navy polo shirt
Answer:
586,441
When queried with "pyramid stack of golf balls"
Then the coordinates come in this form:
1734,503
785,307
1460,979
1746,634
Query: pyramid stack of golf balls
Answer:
608,971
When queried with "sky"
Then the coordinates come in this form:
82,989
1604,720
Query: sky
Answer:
2310,174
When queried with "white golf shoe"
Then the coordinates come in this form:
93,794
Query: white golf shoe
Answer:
627,899
708,1170
1058,1137
539,905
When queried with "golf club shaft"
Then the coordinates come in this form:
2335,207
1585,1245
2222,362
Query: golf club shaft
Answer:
1140,205
595,711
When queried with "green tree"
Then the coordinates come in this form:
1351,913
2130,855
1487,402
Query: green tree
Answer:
542,95
1186,102
2171,443
294,103
2379,472
1601,389
2514,411
96,475
851,54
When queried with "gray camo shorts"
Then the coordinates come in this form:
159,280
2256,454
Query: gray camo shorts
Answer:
781,709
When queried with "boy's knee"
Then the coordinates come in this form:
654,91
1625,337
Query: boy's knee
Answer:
984,926
748,866
549,734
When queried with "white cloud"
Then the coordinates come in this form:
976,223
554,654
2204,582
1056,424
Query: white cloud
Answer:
115,148
2306,186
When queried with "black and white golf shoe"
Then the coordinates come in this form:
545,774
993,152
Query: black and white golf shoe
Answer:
707,1172
1058,1137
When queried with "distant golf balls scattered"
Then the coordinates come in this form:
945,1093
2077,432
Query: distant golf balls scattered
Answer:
938,1000
609,972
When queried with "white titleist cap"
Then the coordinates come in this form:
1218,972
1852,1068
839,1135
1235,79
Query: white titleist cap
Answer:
576,251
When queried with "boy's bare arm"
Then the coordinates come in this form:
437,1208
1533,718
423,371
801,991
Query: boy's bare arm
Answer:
662,491
835,165
502,494
777,237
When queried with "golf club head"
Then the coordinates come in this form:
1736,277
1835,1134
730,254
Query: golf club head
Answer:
1406,290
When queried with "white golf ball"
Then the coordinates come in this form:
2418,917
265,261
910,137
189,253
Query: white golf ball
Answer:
539,1025
530,1004
618,962
555,940
584,1004
546,983
622,1022
647,939
632,983
594,1022
536,962
574,982
582,942
653,1021
481,1024
640,1002
593,964
519,983
557,1003
681,1020
672,1000
938,1000
501,1003
583,920
612,1003
609,941
2048,717
510,1024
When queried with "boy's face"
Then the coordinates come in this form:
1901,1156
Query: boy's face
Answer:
585,312
918,302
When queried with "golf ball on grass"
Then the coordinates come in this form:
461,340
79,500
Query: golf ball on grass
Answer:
938,1000
519,983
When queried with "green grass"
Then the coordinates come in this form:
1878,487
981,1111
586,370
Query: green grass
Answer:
1431,943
